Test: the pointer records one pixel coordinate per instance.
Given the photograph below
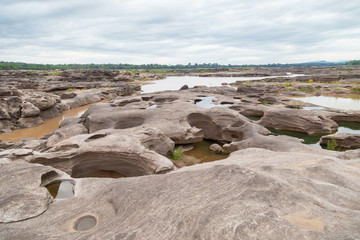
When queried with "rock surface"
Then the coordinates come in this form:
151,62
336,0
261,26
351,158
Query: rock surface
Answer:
270,187
297,196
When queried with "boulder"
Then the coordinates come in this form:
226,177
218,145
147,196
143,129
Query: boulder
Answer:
29,110
67,95
216,148
310,122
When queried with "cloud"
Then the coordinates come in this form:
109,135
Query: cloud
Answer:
171,32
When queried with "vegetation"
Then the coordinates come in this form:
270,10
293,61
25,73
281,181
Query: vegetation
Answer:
353,63
331,144
355,90
156,68
177,154
69,90
305,89
265,102
288,85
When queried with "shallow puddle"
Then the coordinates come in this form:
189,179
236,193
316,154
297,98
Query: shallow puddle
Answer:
47,127
61,189
202,152
85,223
207,102
152,106
308,139
254,118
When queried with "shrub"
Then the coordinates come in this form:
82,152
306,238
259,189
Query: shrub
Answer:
331,144
69,90
177,154
265,102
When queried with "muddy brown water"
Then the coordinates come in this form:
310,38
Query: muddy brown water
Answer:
47,127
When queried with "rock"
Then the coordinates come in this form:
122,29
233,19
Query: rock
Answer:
22,197
298,120
184,87
67,95
297,196
29,110
216,148
29,122
4,110
42,100
123,151
344,140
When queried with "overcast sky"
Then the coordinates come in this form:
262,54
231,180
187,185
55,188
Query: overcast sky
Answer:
179,31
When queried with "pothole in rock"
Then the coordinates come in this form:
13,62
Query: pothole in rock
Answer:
254,118
98,173
85,223
61,189
186,155
308,139
207,102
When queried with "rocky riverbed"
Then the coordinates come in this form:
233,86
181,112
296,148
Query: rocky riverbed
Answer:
125,184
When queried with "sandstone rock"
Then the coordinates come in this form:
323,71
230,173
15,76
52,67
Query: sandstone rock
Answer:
29,110
298,120
123,151
29,122
184,87
297,196
4,110
345,140
216,148
67,95
22,197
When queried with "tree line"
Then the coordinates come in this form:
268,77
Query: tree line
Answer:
353,63
120,66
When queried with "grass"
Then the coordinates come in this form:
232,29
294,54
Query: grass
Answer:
337,88
177,154
305,89
288,85
310,81
355,90
331,144
69,90
265,102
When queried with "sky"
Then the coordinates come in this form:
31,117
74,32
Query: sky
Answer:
179,31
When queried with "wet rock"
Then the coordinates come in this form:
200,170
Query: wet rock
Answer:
216,148
29,110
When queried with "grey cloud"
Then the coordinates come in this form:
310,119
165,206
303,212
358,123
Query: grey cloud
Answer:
152,31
